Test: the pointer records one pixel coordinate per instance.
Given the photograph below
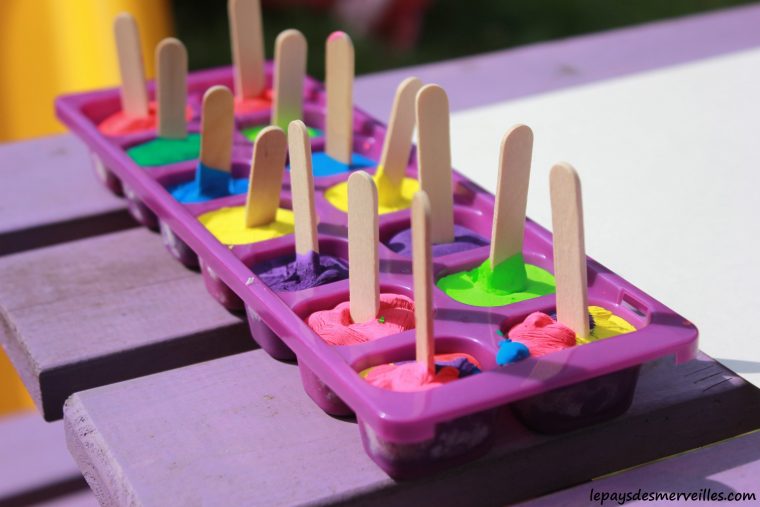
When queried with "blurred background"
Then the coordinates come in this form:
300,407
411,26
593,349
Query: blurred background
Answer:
48,47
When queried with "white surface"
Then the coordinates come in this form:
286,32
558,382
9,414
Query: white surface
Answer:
670,173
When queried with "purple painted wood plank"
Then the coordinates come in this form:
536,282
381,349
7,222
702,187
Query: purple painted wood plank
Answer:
49,195
240,430
34,462
539,68
727,467
106,309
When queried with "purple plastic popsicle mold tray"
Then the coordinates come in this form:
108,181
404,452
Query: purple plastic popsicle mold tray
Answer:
407,434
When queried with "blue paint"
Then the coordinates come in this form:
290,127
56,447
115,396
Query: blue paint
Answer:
325,165
209,183
511,352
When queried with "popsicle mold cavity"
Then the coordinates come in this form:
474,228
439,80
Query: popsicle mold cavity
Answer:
336,327
509,282
228,225
122,124
252,132
389,199
302,272
408,376
324,165
209,183
163,151
464,239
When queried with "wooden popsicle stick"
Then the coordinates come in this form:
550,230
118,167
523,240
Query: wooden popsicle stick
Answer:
134,96
569,249
339,81
171,88
302,188
289,72
363,260
217,128
247,47
265,180
422,267
511,194
398,140
434,158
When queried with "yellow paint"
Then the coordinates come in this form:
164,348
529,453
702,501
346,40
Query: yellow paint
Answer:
50,47
606,325
389,198
13,395
228,226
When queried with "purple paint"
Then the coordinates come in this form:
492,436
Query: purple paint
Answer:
306,271
464,239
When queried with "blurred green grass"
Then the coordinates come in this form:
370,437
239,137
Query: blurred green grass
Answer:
450,29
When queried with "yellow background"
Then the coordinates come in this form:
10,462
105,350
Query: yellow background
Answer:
49,47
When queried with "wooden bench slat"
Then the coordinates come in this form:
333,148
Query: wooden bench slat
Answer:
49,195
106,309
241,431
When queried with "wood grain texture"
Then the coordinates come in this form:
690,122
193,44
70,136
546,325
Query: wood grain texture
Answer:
363,257
570,269
237,426
265,180
171,88
508,230
35,465
247,41
217,128
302,189
339,82
434,159
134,96
106,309
398,139
290,50
36,212
422,269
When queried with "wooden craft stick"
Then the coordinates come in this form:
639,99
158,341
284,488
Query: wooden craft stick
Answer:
511,194
134,96
422,267
302,188
265,180
289,73
363,260
398,140
569,249
171,88
434,157
217,128
339,81
247,47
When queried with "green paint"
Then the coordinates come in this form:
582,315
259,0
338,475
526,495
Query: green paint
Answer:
251,133
163,151
510,282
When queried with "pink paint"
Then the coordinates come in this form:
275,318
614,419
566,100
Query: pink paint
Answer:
414,376
409,377
336,35
336,327
542,334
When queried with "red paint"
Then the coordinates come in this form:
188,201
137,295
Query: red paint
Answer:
119,124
